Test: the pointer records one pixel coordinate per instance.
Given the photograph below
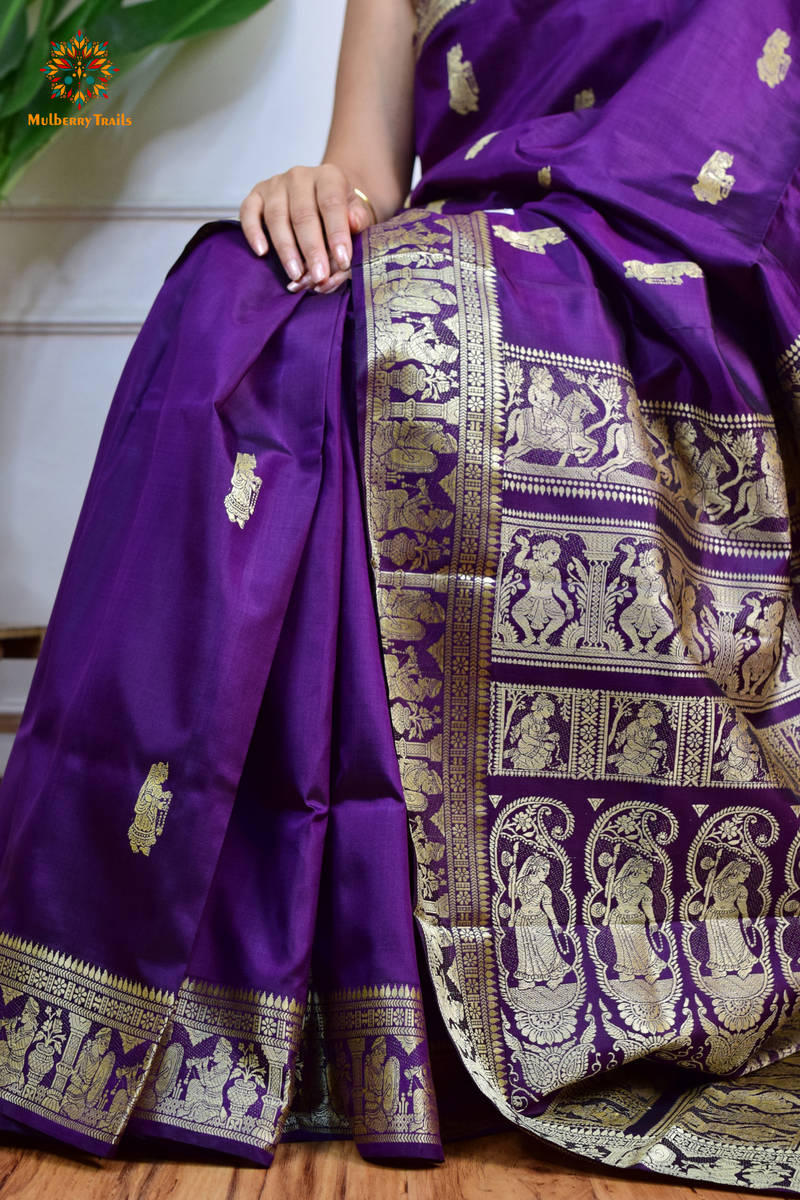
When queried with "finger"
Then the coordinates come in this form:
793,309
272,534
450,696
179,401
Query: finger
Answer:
250,216
300,285
335,281
307,224
359,215
279,226
332,203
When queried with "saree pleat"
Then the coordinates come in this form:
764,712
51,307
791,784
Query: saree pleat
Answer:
162,984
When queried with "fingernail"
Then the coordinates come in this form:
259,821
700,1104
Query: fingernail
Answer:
293,287
342,257
293,269
318,272
261,246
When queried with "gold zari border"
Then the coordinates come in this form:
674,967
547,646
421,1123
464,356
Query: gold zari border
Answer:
68,1027
225,1066
364,1068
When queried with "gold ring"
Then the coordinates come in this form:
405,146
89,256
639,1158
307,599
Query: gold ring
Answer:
362,196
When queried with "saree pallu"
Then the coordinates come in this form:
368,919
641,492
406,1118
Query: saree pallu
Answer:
576,371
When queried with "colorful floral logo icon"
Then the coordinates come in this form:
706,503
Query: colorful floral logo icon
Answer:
79,70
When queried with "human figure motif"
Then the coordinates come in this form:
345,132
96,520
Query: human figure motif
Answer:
648,619
774,63
240,502
767,630
627,442
419,782
539,959
90,1075
728,952
691,640
381,1087
642,751
150,811
411,446
20,1032
550,421
698,474
764,496
741,757
400,341
405,613
628,919
533,741
205,1094
713,182
566,427
529,424
400,508
545,606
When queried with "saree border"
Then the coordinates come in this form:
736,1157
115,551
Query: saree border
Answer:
91,1019
365,1057
241,1046
453,900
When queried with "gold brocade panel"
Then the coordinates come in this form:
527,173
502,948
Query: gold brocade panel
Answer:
584,899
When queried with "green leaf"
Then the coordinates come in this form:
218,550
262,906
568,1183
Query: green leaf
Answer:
10,18
228,12
130,29
28,78
130,33
12,43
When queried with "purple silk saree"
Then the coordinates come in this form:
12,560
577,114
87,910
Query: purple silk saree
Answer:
572,369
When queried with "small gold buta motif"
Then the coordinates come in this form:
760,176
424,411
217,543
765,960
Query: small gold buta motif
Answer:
240,501
671,273
150,813
462,82
584,99
713,182
532,240
774,62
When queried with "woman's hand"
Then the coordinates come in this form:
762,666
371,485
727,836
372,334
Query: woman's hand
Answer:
310,214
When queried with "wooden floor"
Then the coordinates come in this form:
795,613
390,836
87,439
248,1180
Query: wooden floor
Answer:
509,1166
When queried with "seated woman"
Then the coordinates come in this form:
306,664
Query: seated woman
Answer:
536,461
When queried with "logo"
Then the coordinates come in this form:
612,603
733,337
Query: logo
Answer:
79,70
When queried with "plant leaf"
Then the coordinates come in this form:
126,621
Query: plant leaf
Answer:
28,77
12,42
228,12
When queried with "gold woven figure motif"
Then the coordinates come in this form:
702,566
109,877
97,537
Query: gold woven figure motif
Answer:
151,810
462,83
240,501
713,182
774,63
532,240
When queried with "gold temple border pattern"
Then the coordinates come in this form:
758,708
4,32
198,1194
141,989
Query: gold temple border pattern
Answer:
442,720
716,476
225,1065
586,733
364,1068
78,1041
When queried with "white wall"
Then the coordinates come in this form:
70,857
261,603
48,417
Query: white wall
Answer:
91,229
